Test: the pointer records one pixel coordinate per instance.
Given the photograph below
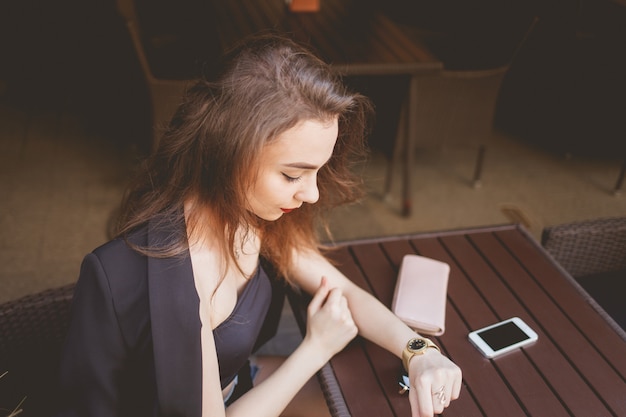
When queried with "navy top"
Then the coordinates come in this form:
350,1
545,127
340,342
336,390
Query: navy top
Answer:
133,345
236,336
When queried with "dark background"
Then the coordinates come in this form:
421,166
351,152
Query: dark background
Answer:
566,90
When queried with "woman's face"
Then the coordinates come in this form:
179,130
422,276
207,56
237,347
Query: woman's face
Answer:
288,168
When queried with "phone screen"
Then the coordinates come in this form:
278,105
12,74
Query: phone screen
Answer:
502,336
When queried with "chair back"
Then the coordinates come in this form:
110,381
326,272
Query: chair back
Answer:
126,9
174,40
589,247
32,334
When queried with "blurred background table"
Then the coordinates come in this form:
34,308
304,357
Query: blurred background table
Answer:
355,37
177,42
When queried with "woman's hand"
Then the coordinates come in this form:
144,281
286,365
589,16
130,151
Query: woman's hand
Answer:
435,381
330,326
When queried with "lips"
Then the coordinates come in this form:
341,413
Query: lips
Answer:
287,210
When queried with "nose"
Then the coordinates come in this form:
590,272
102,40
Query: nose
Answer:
308,192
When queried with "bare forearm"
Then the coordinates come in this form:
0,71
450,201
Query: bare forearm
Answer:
270,397
377,323
373,319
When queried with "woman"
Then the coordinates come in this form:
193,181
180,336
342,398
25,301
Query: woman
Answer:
167,314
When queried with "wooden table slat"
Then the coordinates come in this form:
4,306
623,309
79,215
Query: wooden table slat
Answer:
407,48
345,263
356,377
332,49
387,368
378,272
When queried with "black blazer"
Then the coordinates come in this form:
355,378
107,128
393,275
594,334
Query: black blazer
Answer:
133,347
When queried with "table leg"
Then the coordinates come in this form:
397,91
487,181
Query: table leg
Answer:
398,147
620,179
409,146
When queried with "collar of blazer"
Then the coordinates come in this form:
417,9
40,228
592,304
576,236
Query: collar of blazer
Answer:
175,323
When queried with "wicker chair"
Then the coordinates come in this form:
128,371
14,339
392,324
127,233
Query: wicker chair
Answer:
32,333
173,40
594,253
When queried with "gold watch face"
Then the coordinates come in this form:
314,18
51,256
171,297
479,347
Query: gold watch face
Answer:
417,345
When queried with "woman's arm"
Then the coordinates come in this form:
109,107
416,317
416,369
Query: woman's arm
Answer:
377,323
329,328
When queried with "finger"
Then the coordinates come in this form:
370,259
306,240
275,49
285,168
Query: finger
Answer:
343,303
338,304
443,396
414,403
319,298
456,387
440,398
344,300
333,299
347,313
424,401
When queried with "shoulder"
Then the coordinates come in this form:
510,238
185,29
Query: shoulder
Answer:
118,269
121,247
117,257
116,276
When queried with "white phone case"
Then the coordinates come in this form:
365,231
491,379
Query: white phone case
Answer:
520,336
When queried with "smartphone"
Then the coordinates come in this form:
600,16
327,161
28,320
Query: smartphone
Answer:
502,337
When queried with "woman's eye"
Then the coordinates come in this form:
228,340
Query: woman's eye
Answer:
291,179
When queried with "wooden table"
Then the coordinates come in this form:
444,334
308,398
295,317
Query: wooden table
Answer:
352,36
576,368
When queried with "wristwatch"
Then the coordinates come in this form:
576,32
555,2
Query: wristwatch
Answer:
416,346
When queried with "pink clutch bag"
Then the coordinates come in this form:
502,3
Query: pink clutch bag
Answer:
420,295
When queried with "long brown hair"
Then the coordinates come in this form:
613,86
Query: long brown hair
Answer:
209,152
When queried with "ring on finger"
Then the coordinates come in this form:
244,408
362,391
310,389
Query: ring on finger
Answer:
440,394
